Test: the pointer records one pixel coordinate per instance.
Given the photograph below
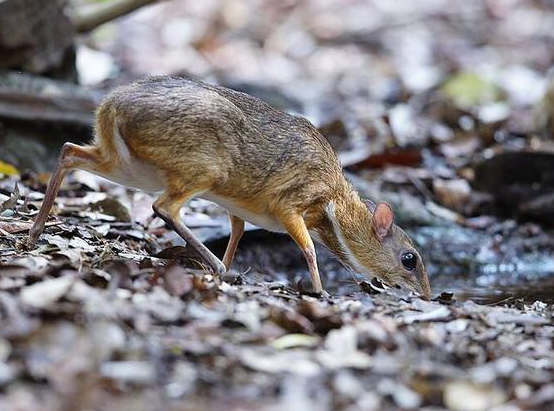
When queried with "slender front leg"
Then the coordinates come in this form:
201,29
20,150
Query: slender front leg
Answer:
71,156
295,226
167,208
237,229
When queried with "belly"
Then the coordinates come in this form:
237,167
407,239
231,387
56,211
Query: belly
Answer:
265,221
131,171
136,174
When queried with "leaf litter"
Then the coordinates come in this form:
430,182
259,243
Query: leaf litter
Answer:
82,324
112,312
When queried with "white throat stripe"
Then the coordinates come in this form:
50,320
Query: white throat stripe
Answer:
351,258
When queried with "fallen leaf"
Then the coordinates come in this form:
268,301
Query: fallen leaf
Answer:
439,314
11,202
399,157
294,340
177,281
134,372
7,169
80,244
516,318
15,226
57,240
467,396
452,193
293,361
112,207
341,351
468,89
44,294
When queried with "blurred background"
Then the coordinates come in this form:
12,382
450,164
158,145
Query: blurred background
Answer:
442,108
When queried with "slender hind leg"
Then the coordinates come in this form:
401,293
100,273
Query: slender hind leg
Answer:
71,156
237,229
167,208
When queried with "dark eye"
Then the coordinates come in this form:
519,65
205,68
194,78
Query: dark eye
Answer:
409,261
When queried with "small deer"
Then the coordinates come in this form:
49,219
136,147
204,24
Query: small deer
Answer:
185,138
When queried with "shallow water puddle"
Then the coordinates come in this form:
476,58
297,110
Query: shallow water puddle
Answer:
463,265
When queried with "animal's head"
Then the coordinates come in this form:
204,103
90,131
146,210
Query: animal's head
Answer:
370,243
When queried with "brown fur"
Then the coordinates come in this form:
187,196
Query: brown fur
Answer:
205,138
238,146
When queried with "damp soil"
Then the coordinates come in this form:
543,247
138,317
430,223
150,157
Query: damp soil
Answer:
463,265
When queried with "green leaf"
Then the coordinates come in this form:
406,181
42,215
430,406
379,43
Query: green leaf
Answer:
8,169
467,89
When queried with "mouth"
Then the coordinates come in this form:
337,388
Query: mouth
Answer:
423,288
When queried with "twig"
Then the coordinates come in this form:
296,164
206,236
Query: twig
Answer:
501,301
422,188
91,16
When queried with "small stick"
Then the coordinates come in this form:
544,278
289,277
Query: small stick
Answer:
89,17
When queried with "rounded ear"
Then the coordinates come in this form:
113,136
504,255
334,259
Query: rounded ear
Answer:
370,204
382,220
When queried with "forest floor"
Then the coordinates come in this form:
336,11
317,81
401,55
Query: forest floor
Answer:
105,313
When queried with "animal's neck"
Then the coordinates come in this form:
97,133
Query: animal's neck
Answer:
339,225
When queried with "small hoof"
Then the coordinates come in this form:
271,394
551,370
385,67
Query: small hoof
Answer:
27,244
324,294
220,270
33,237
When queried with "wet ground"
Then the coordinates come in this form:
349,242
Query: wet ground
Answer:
463,261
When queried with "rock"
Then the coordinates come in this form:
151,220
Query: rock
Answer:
35,35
